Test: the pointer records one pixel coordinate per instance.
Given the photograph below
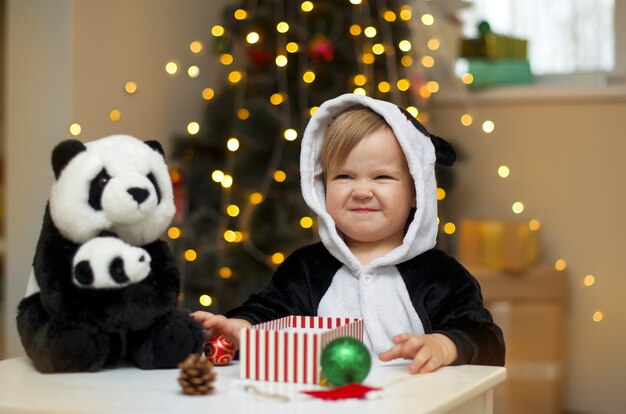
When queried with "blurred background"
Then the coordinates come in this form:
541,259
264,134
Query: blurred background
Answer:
531,94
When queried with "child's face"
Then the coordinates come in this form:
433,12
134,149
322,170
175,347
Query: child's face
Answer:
371,193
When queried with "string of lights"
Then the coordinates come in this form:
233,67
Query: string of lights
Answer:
407,62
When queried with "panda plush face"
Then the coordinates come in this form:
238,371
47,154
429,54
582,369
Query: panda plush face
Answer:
118,184
108,262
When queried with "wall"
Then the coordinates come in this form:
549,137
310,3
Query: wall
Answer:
146,35
37,102
67,61
566,161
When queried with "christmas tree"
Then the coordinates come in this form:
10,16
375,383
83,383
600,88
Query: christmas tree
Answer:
240,211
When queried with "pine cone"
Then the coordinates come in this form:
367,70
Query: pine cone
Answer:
196,375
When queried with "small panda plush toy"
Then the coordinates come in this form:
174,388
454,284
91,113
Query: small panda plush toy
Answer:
103,285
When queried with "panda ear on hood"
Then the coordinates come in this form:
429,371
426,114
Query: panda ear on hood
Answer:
444,152
63,153
155,145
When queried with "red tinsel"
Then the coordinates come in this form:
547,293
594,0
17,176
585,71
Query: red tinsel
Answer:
342,393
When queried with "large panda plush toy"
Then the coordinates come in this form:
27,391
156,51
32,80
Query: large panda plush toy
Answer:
103,285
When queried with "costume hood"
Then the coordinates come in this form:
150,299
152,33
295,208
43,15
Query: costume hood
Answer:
421,149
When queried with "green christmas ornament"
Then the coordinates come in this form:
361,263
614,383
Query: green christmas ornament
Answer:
345,360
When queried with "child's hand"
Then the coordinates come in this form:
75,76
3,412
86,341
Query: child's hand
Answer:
428,352
220,325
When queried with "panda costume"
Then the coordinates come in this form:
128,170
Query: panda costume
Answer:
103,286
414,288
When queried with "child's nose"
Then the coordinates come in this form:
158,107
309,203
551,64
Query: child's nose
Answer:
362,191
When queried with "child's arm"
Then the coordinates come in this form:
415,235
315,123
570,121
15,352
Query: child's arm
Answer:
296,287
428,352
449,301
220,325
461,316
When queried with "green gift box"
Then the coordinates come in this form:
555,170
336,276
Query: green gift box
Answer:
499,72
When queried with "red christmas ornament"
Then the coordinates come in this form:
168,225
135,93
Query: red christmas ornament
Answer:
260,56
219,350
321,48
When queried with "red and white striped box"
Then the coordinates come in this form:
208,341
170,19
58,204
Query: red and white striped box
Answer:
289,349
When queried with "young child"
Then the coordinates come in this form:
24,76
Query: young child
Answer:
367,170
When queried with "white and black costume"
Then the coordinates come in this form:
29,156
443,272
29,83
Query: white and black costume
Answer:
414,288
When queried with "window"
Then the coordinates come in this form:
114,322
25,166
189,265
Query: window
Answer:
564,36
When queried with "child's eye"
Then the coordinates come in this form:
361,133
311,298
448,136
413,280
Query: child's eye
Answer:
384,177
342,177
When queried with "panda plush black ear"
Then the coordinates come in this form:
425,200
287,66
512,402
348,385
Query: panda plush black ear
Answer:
63,153
155,145
108,233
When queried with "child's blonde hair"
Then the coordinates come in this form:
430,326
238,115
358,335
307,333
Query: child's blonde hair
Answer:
346,131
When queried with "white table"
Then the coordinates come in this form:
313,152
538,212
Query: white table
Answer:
464,389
